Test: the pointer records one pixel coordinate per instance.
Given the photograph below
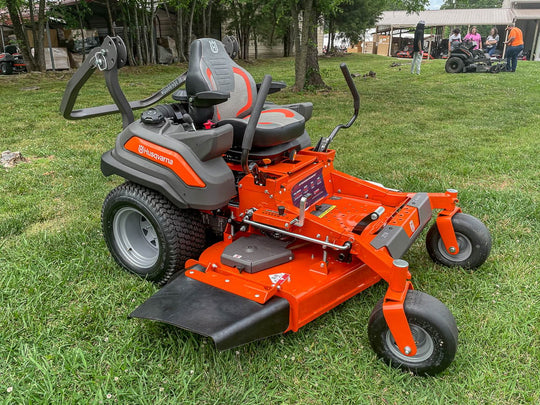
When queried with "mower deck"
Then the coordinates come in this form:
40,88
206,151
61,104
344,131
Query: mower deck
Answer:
296,247
234,308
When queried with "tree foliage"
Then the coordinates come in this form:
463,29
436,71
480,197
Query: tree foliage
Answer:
292,22
448,4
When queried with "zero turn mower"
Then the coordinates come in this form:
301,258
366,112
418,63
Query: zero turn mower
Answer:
293,237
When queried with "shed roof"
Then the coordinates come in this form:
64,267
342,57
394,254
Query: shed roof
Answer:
434,18
526,13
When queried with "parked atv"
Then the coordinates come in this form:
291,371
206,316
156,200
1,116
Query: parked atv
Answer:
293,236
465,59
11,61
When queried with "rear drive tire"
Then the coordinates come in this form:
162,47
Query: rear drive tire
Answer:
147,235
454,65
474,242
434,330
6,68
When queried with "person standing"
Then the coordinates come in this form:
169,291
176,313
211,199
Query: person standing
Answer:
515,46
475,37
454,40
492,41
418,47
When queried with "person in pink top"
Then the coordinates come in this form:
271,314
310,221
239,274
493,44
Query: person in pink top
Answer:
475,37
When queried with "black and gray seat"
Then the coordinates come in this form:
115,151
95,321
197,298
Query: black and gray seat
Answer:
280,128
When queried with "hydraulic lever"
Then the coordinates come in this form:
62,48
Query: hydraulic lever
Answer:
322,145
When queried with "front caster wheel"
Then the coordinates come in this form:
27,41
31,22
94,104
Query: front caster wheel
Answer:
474,241
434,330
147,235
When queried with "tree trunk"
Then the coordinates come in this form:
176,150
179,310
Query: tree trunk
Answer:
244,38
39,49
20,33
209,19
128,33
110,22
180,34
306,64
153,39
147,34
330,43
313,72
300,42
204,23
138,34
190,26
81,27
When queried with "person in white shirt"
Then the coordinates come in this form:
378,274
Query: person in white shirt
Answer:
492,41
454,40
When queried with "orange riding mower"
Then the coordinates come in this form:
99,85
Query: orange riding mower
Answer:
250,230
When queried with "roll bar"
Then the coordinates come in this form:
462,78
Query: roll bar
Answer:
109,57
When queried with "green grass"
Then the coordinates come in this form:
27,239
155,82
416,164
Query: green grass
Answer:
65,336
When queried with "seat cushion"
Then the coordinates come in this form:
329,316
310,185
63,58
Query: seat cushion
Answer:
276,126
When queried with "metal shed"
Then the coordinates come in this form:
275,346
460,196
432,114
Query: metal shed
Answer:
525,13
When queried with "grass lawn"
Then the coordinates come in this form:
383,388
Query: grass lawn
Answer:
65,336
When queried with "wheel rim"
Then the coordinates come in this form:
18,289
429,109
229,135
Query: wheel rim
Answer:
423,341
465,249
136,238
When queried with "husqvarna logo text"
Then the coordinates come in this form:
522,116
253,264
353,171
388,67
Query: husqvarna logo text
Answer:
213,46
145,151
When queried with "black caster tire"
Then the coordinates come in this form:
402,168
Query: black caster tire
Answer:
147,235
474,241
434,330
454,65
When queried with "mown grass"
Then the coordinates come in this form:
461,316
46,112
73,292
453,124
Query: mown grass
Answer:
65,336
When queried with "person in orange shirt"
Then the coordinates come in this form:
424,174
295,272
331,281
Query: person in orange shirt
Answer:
515,46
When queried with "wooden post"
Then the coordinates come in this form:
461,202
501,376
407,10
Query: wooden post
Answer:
49,43
429,47
535,51
504,48
391,38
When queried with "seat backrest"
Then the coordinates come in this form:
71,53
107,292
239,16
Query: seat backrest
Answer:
11,49
211,68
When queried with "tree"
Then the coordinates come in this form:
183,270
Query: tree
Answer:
351,19
16,8
448,4
309,13
409,5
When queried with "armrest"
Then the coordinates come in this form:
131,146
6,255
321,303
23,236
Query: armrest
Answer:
274,87
209,98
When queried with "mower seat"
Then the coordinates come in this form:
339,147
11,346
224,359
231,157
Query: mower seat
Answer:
211,69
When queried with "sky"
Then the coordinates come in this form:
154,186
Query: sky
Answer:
435,4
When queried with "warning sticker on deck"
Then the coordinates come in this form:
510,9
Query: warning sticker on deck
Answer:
279,278
322,210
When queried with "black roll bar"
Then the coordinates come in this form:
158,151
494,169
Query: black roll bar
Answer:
109,57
